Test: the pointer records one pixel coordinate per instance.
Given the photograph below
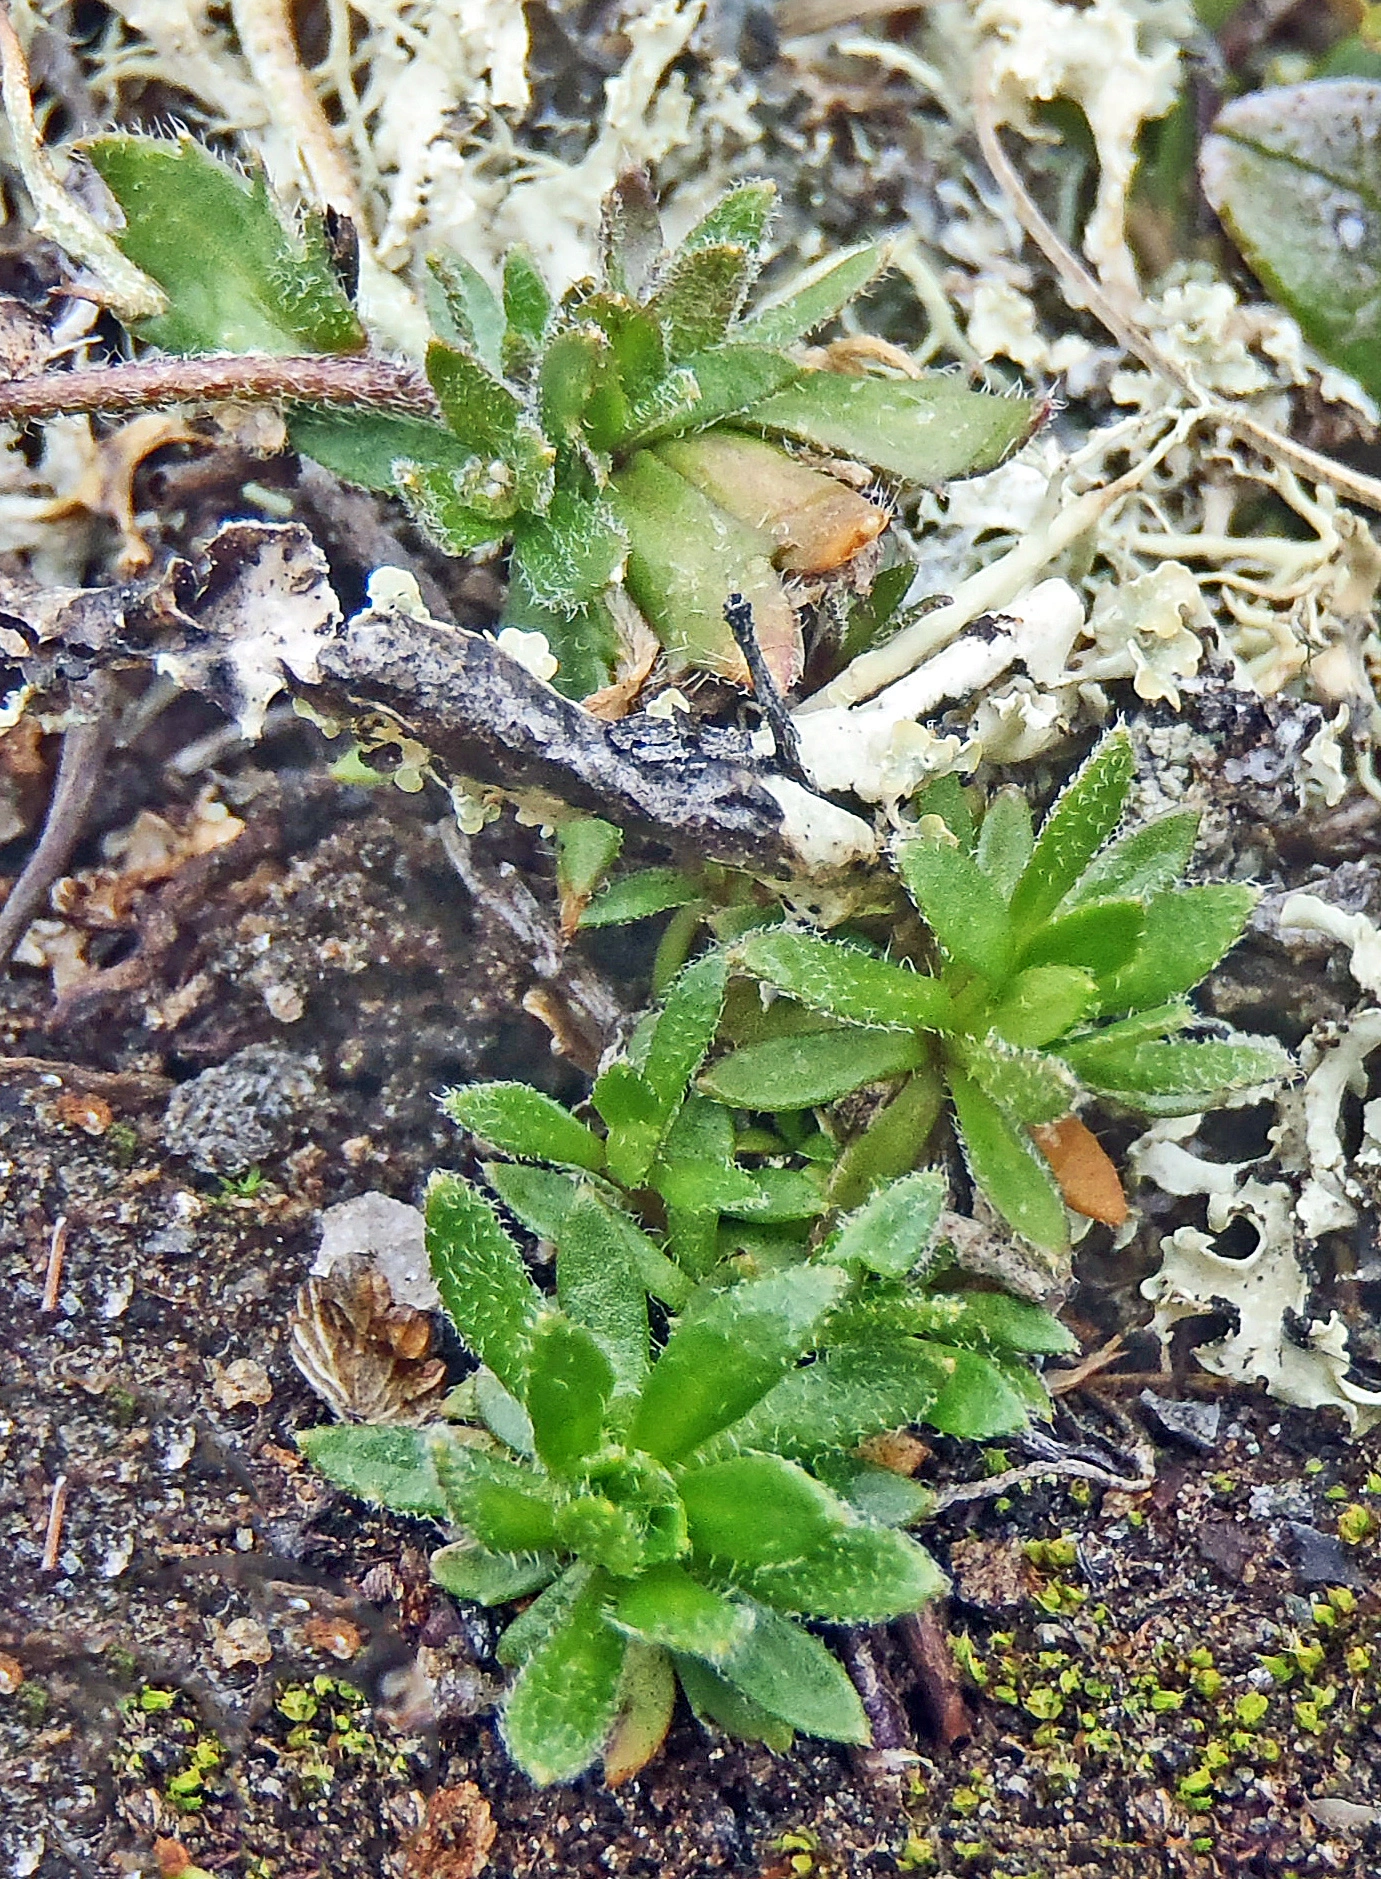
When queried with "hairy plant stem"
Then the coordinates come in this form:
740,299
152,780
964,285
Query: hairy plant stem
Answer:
358,382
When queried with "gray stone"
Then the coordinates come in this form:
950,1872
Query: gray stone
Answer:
1195,1424
240,1111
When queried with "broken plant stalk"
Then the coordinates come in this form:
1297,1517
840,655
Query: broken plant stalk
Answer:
352,382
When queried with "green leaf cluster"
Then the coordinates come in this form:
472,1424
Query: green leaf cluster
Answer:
637,429
1058,967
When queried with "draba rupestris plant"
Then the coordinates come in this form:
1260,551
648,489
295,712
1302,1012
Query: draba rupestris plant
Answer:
638,433
1057,968
677,1510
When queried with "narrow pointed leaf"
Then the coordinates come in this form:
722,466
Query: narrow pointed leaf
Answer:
630,233
721,1360
647,1701
1028,1084
927,430
840,979
721,1706
600,1288
1188,930
550,1609
502,1414
1100,935
961,905
792,1675
1177,1014
893,1231
1143,862
1082,819
570,1383
1007,1168
473,1572
788,1073
636,1120
1042,1003
685,1028
864,1575
523,1122
391,1466
758,1510
729,380
541,1199
236,278
742,215
507,1507
1005,840
585,643
433,492
1183,1077
998,1320
483,1282
700,294
527,306
978,1401
667,1606
814,302
464,308
562,1707
853,1391
638,896
367,447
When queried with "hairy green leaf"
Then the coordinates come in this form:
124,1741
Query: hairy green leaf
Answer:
434,494
851,1392
810,304
1007,1168
638,896
1028,1084
473,1572
977,1401
562,1707
572,553
667,1606
863,1575
1144,861
570,1382
586,848
600,1286
726,1355
891,1143
842,980
367,447
1099,935
1188,930
961,905
390,1466
483,1282
758,1510
507,1506
788,1073
895,1229
685,1028
550,1608
527,306
1005,840
728,381
464,309
699,295
1082,819
925,430
523,1122
719,1705
636,1119
491,420
1176,1078
998,1320
879,1494
236,278
792,1675
1042,1003
742,214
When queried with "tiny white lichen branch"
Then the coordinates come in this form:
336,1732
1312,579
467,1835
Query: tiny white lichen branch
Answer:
57,217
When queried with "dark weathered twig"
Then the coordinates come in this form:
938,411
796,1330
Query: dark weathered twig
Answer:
80,769
358,382
738,617
893,1746
926,1643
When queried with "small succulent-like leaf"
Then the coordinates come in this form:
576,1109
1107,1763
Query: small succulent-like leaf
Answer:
792,1675
686,556
863,1575
1099,935
1042,1003
464,309
1143,862
365,447
527,305
685,1028
1176,1078
508,1507
817,522
977,1401
741,215
891,1144
570,1382
787,1073
391,1466
719,1705
638,896
1007,1168
491,420
894,1230
502,1414
236,279
586,848
844,981
1005,840
541,1199
435,493
923,430
468,1571
998,1321
1082,819
961,905
723,1358
699,295
1188,930
563,1705
630,233
811,303
647,1701
850,1392
1293,172
572,552
1028,1084
728,380
636,1119
600,1287
758,1510
523,1122
667,1606
550,1608
483,1282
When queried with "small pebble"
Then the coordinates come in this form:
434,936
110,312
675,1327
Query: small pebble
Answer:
242,1641
240,1382
1322,1559
1195,1424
